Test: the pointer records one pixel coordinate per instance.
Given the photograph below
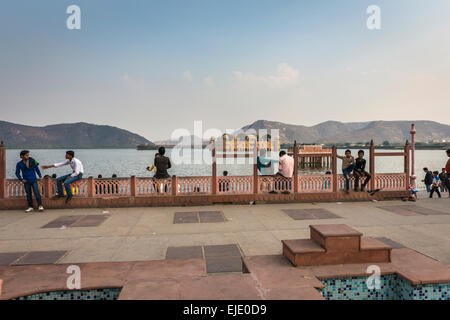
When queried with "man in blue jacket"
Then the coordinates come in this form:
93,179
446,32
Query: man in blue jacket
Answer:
26,170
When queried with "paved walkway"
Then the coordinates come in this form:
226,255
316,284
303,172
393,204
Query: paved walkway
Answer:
139,234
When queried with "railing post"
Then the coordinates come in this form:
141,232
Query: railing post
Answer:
47,188
91,187
334,168
214,170
3,193
133,186
295,151
174,185
255,171
372,165
407,165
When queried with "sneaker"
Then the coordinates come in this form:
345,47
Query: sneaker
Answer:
30,209
68,199
41,208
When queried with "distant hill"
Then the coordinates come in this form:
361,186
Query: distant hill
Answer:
353,132
68,135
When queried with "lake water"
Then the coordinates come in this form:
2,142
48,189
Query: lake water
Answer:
128,162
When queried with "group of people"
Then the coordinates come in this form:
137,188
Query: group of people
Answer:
27,169
436,181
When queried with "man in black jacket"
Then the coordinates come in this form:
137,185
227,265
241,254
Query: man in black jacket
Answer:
359,171
428,179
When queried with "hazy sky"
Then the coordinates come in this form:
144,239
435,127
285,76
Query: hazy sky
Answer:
153,66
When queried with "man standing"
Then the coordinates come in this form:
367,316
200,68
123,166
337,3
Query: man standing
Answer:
77,174
428,180
447,170
29,167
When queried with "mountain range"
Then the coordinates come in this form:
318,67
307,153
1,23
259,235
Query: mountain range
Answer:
68,135
85,135
353,132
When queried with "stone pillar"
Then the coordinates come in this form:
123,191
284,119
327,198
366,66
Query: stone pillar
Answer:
133,186
295,151
255,171
406,164
372,165
334,168
47,187
91,187
2,171
174,185
413,145
214,170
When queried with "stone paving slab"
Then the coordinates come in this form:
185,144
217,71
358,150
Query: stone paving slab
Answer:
62,221
188,252
90,221
222,251
8,258
392,243
310,214
40,257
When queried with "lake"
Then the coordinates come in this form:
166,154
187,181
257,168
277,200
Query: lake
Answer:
128,162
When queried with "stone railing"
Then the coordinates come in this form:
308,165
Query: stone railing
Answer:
126,187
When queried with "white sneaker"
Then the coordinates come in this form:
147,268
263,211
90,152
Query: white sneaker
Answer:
41,208
30,209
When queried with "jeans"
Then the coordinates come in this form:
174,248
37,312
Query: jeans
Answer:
346,172
32,186
60,180
428,188
433,189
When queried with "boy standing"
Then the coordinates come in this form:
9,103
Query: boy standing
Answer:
29,167
359,171
428,180
77,174
348,164
435,184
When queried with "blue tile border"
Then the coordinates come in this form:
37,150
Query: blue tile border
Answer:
91,294
392,287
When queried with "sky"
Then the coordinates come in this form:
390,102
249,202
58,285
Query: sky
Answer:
155,66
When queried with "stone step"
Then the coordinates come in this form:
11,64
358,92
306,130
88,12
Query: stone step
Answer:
336,237
317,259
335,244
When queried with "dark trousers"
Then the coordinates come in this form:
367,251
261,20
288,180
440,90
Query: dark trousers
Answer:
358,174
29,186
433,189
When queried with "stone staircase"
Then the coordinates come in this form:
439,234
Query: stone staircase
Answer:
335,244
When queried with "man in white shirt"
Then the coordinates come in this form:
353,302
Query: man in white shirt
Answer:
77,174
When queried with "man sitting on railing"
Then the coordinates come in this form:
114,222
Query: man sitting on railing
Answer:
348,164
285,168
359,171
77,174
